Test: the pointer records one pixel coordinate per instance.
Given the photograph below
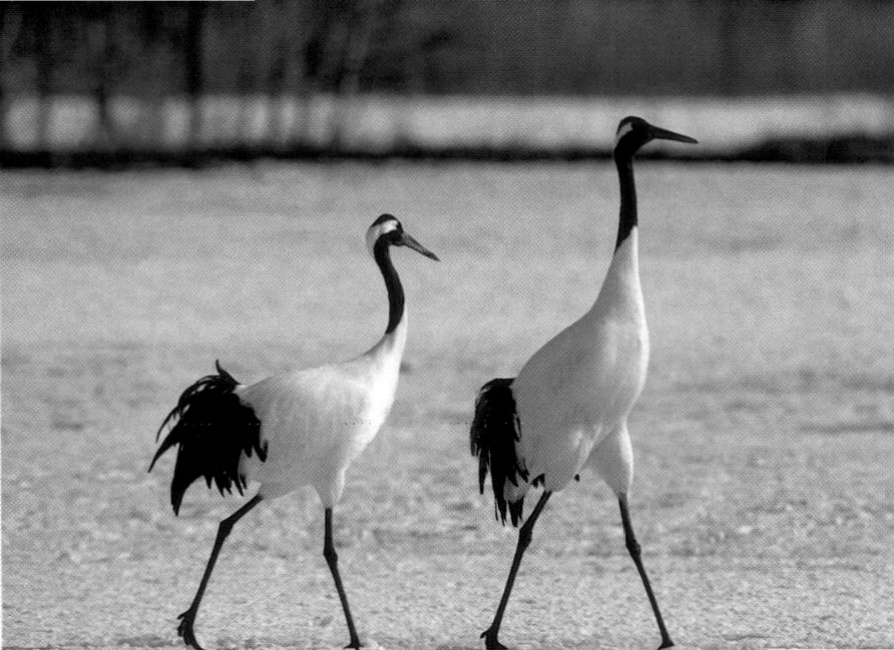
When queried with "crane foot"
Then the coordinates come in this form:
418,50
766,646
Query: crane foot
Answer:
490,640
185,629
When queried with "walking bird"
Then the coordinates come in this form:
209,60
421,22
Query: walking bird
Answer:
299,428
567,408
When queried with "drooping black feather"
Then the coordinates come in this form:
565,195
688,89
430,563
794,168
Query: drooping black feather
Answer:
495,429
212,428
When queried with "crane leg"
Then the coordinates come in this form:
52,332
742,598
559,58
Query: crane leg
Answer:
188,618
332,560
634,549
524,540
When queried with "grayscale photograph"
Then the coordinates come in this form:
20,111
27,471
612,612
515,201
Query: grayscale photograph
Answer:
447,324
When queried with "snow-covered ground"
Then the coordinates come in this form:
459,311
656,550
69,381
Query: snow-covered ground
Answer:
763,439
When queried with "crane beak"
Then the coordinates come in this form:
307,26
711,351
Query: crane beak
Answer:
658,133
409,242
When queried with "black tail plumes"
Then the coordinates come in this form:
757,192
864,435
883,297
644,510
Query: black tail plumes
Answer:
213,428
494,432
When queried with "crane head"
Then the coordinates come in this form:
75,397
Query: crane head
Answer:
634,132
388,230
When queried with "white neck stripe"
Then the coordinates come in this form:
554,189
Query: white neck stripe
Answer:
373,234
624,130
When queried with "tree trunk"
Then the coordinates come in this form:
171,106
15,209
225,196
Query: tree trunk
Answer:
10,22
195,22
100,34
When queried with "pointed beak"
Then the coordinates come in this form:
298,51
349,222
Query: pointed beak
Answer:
658,133
409,242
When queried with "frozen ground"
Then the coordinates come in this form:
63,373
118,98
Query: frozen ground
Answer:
764,439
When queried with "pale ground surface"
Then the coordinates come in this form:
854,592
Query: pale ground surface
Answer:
764,439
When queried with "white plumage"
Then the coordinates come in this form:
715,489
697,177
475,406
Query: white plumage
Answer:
300,428
315,422
595,369
567,408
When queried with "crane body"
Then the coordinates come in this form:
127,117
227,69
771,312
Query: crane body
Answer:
567,409
298,428
341,407
597,367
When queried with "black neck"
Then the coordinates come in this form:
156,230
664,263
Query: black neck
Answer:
627,220
382,254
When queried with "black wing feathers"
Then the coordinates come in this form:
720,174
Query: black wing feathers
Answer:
495,429
212,428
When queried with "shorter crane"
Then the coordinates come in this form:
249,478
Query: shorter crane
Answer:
300,428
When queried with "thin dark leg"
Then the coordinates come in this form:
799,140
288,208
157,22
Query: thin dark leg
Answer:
634,550
188,618
332,560
524,540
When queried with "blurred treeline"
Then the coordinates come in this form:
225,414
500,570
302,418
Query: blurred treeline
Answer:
497,47
147,75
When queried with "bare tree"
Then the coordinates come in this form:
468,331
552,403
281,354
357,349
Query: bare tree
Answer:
193,50
10,22
357,30
44,42
100,36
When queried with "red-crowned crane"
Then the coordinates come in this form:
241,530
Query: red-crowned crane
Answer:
568,407
299,428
